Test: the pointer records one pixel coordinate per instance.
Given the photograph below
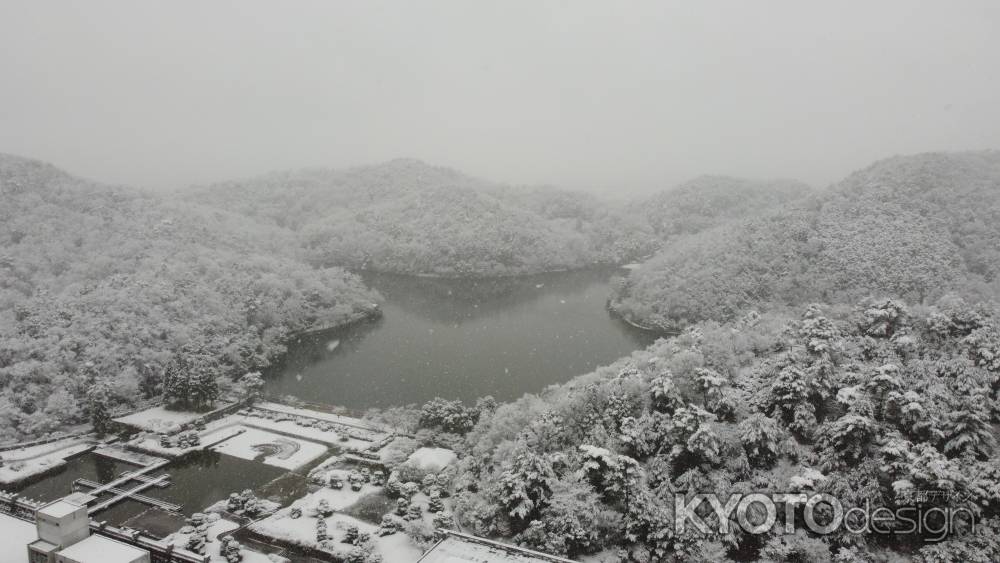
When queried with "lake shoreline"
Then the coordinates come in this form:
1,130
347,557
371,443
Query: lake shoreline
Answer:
472,276
373,314
442,337
664,332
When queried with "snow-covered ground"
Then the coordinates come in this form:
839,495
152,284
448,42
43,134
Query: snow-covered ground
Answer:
292,452
16,535
215,432
159,419
395,548
329,417
117,452
216,529
431,459
343,432
331,437
25,462
454,549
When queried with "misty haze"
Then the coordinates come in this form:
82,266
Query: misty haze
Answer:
513,282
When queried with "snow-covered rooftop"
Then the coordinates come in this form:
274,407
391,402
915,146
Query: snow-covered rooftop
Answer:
98,549
60,508
16,535
159,419
464,548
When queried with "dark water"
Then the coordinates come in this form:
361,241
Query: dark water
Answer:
60,483
197,481
461,339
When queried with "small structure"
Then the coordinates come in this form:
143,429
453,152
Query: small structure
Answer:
457,546
63,528
60,524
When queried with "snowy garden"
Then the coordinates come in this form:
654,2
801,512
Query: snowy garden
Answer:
375,496
19,464
368,512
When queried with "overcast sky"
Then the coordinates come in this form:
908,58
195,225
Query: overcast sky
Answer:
616,95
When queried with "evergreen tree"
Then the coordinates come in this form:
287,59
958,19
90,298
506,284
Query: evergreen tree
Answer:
176,382
252,386
98,400
435,503
321,530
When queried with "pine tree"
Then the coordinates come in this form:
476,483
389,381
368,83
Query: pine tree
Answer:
203,388
98,398
321,531
762,439
190,378
413,512
252,385
435,504
230,549
199,534
234,503
428,481
443,520
389,525
176,382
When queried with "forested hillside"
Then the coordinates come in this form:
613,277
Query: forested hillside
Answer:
709,201
108,288
881,407
405,216
912,226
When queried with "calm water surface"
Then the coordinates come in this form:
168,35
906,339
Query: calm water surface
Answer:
461,339
197,481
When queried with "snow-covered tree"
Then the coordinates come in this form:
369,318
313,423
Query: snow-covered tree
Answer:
321,530
614,476
252,386
98,405
522,489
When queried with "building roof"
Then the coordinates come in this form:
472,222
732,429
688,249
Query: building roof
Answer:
43,546
59,508
14,535
99,549
463,548
66,505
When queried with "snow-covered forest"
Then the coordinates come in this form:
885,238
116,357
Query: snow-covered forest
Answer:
405,216
914,226
841,340
866,402
110,287
531,281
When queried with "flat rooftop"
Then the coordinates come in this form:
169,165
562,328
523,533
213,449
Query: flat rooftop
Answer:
99,549
15,535
59,508
463,548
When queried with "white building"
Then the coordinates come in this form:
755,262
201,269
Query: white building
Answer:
458,547
64,536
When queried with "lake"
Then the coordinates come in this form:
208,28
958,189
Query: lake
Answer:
461,338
